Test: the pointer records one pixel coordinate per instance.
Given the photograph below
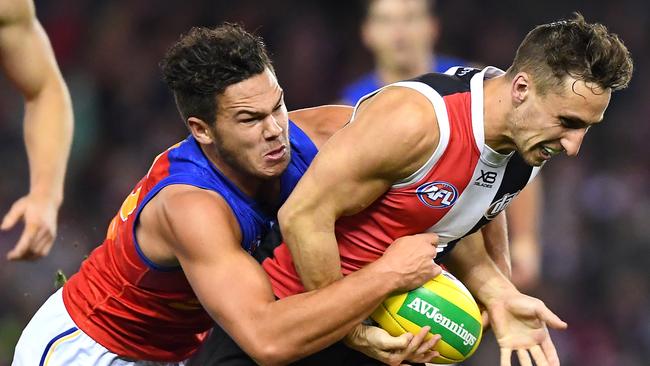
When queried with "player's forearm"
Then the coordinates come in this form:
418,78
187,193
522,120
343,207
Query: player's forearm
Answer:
48,135
306,323
495,237
312,242
472,265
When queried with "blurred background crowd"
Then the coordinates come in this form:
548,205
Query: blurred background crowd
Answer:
596,215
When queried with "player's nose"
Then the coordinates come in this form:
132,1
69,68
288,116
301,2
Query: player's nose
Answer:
572,140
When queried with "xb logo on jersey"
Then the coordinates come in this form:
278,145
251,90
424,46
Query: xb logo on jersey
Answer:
486,179
437,194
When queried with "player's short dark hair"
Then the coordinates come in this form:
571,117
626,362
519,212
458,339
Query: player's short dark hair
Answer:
585,51
205,61
366,4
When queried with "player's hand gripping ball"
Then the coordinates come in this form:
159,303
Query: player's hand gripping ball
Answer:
445,305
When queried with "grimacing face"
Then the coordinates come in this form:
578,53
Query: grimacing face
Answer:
399,31
251,130
546,125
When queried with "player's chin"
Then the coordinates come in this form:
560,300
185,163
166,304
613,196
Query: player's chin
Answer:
274,170
532,159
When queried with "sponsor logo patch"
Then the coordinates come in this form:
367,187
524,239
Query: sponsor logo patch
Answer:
486,179
497,206
458,328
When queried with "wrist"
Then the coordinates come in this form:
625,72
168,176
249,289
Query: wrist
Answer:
388,281
43,195
495,290
355,337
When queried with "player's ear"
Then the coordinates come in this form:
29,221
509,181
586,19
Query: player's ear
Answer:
200,130
520,87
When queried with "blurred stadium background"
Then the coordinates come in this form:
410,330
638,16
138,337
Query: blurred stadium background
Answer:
596,230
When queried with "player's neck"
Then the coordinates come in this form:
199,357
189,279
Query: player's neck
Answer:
496,107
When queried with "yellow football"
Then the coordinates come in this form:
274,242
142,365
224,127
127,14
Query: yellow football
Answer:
445,305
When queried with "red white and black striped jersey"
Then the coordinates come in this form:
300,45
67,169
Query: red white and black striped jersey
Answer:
462,186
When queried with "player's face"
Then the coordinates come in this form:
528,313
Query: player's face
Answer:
251,129
558,121
399,32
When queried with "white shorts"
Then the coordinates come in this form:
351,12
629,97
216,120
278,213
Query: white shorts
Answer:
52,339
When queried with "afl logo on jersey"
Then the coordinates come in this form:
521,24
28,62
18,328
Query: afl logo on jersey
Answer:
437,194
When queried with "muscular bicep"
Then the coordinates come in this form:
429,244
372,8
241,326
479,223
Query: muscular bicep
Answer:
392,135
228,282
26,55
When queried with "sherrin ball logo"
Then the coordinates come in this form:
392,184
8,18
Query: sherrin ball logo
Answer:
446,306
437,194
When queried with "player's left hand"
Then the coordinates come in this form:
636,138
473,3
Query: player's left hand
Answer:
378,344
520,324
39,216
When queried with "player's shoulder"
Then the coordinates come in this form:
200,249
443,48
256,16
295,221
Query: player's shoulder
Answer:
401,122
405,110
322,117
321,114
404,99
185,218
181,203
320,123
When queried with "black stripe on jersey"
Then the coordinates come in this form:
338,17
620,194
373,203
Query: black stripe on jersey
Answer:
449,84
516,176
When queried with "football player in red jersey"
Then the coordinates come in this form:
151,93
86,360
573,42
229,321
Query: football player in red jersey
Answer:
365,185
402,37
176,257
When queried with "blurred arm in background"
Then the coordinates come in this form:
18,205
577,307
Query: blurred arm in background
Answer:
28,61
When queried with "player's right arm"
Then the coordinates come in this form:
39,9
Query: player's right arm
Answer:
27,60
235,291
392,135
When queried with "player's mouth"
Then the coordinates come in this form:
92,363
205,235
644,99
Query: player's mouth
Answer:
276,155
549,152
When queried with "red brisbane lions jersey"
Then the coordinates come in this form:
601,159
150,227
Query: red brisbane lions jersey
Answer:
144,311
462,186
132,306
